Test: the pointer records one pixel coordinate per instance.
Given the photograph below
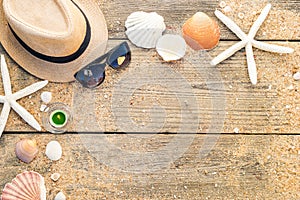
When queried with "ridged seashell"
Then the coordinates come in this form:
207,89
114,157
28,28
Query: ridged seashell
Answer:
26,150
46,97
201,32
144,29
171,47
60,196
26,186
53,150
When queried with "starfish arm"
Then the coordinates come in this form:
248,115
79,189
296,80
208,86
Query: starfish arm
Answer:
25,115
2,99
5,76
251,64
4,116
271,47
29,90
231,25
260,20
227,53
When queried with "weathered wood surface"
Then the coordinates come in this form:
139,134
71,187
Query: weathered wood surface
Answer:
238,167
263,163
177,12
269,107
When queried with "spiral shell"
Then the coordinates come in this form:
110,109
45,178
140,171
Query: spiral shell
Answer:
201,32
26,150
26,186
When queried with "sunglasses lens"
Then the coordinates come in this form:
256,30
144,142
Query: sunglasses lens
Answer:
120,57
91,76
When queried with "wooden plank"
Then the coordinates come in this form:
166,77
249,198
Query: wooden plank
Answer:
282,23
267,107
237,167
224,91
192,97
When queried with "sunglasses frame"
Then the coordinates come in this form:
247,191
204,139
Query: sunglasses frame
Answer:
102,65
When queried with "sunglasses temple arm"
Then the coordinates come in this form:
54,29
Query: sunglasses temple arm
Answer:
101,58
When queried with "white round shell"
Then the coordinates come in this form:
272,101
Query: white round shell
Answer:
46,97
60,196
171,47
53,150
144,29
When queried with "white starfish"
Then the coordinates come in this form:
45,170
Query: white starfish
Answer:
248,41
9,100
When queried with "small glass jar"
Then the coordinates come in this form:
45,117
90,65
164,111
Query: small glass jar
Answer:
57,117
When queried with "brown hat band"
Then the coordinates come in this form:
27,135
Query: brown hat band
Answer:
63,59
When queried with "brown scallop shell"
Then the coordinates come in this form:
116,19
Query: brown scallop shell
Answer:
26,150
26,186
201,32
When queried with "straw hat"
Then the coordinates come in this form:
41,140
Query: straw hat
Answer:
52,39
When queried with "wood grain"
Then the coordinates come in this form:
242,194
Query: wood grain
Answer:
260,108
224,90
234,168
176,13
261,162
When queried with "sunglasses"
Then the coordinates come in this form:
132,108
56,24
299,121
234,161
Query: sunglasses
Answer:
93,74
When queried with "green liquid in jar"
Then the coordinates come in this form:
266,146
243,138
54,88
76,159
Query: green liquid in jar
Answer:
59,118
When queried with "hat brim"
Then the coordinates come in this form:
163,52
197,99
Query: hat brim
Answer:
52,71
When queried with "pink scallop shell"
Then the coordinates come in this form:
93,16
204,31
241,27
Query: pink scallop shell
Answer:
26,186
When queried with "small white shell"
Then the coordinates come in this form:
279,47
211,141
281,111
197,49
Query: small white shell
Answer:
222,4
44,108
144,29
53,150
60,196
26,186
236,130
55,176
241,15
227,9
296,76
171,47
46,97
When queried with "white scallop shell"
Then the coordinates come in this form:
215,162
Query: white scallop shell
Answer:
26,186
144,29
53,150
171,47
